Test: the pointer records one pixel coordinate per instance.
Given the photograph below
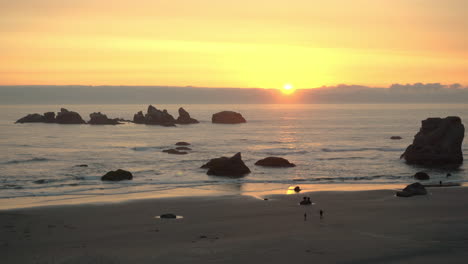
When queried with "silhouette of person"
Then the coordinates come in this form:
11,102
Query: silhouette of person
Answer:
305,201
297,189
305,216
321,213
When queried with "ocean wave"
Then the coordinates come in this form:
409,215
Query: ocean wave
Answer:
364,149
286,153
342,158
146,148
27,161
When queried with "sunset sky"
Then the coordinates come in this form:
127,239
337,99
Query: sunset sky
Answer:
225,43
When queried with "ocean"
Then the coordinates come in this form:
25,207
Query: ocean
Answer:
331,145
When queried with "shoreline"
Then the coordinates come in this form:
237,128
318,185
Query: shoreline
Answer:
357,227
255,190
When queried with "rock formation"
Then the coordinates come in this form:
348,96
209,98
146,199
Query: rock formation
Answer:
117,175
63,117
154,116
233,166
227,117
274,162
102,119
412,189
438,142
68,117
421,176
182,143
184,118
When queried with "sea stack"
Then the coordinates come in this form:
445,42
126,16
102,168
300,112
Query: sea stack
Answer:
184,118
228,117
223,166
438,142
154,116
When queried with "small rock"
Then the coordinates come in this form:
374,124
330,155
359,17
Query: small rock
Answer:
182,143
40,181
175,151
274,162
412,189
117,175
82,165
421,176
168,216
232,167
395,137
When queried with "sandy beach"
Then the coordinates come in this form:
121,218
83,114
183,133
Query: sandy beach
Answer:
357,227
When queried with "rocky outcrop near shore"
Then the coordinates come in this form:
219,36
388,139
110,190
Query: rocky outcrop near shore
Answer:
412,189
184,118
223,166
438,142
228,117
101,119
154,116
118,175
275,162
63,117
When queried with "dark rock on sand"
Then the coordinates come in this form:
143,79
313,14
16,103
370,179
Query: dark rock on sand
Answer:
421,175
438,142
182,143
227,117
184,118
175,151
102,119
233,167
68,117
395,137
32,118
154,116
117,175
412,189
183,148
274,162
168,216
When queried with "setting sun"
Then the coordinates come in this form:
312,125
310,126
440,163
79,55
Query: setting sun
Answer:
288,89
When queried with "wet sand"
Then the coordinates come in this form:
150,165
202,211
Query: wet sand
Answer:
357,227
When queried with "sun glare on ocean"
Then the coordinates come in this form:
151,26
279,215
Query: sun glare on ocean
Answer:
288,89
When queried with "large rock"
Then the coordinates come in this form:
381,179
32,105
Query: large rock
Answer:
154,116
233,167
227,117
32,118
412,189
184,118
68,117
438,142
117,175
274,162
102,119
49,117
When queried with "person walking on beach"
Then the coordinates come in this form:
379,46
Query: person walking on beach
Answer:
321,213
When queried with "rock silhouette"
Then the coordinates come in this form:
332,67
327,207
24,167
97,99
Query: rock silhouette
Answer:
102,119
227,117
63,117
117,175
421,175
274,162
184,118
438,142
412,189
223,166
175,151
154,116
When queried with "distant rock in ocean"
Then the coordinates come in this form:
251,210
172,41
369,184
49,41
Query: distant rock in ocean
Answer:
117,175
223,166
421,176
154,116
102,119
395,137
175,151
412,189
184,118
228,117
274,162
63,117
438,142
182,143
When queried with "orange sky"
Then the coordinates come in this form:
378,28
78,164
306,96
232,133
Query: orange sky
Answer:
224,43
